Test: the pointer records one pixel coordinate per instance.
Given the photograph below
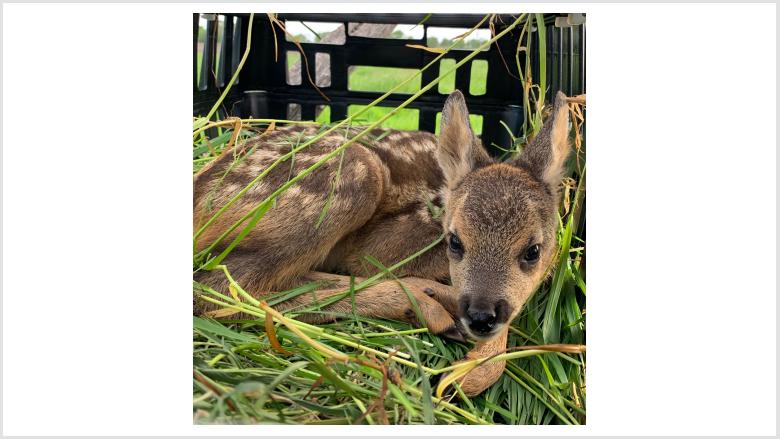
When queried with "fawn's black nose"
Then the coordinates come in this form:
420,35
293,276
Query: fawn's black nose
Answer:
481,320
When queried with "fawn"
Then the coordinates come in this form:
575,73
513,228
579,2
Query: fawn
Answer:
499,221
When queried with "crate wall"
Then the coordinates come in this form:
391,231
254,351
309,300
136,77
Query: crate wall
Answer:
263,89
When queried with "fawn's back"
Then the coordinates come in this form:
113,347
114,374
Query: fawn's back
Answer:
382,197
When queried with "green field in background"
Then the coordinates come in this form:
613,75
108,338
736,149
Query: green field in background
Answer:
382,79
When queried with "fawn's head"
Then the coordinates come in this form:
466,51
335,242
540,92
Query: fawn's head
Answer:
500,218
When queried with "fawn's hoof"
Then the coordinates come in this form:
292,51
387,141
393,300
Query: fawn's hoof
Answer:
453,333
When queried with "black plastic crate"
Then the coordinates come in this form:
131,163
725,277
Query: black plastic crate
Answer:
263,89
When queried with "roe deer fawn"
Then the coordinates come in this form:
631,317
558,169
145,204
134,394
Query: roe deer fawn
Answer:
499,220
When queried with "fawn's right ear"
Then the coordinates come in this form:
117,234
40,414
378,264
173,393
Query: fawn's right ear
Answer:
459,150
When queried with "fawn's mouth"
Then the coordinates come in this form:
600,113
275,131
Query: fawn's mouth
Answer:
480,335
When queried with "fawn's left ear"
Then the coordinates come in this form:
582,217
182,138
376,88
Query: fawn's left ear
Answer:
546,155
459,151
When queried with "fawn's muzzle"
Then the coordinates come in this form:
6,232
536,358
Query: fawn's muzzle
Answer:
483,318
481,322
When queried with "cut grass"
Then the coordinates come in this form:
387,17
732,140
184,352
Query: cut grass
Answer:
341,373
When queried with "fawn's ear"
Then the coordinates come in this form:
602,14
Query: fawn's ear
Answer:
459,150
546,155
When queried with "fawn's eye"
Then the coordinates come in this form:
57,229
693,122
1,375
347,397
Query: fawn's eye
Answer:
531,254
455,245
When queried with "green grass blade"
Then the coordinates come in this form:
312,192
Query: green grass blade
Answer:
551,333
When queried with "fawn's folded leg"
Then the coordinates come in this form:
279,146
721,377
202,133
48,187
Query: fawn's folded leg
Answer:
485,375
386,300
